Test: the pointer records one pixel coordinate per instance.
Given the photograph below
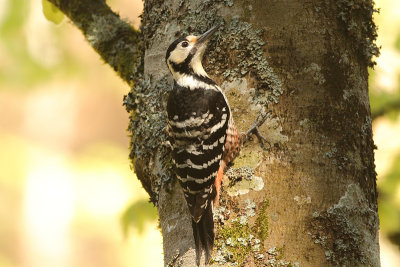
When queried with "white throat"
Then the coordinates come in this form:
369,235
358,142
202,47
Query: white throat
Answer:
198,67
192,83
196,63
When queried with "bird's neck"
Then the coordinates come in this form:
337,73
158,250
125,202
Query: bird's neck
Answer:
194,68
197,67
194,81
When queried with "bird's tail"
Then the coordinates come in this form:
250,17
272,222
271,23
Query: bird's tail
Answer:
203,232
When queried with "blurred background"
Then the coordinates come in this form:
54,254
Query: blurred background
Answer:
66,188
67,194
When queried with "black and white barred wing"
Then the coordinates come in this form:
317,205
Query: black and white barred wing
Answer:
197,137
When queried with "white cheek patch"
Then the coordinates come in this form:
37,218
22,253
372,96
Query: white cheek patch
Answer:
179,55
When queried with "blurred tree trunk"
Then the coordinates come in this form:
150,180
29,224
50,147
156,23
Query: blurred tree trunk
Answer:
310,198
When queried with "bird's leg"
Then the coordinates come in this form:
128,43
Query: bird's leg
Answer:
261,118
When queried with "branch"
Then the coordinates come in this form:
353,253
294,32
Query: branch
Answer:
115,40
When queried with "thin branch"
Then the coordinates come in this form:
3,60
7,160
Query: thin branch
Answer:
113,39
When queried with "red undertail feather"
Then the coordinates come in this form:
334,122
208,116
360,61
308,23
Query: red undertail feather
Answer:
232,148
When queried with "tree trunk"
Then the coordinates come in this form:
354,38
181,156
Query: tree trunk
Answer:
308,198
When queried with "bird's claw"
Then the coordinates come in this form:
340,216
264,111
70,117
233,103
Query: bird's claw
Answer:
261,118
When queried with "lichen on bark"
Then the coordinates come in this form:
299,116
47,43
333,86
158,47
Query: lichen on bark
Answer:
149,151
341,230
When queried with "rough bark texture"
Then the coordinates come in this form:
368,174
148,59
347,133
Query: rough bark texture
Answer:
310,198
114,40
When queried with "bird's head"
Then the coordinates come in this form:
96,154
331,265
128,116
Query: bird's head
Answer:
185,54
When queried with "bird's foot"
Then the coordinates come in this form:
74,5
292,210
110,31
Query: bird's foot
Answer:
261,118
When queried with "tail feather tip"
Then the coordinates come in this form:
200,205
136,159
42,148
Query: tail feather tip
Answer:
203,233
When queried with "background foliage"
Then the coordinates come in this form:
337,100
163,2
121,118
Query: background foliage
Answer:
68,196
385,108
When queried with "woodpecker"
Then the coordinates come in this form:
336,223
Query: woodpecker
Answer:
201,132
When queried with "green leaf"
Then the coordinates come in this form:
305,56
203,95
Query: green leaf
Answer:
51,12
137,214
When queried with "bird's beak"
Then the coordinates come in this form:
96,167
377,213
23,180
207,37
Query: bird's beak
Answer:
207,35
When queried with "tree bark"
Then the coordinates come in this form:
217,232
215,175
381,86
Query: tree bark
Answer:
113,39
308,199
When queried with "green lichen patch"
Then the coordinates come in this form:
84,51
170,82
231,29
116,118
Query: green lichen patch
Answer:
261,224
275,258
234,243
241,235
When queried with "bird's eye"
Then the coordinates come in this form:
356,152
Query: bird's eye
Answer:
185,44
